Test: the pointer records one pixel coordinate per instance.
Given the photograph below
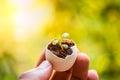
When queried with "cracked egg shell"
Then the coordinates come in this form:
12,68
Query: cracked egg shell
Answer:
61,64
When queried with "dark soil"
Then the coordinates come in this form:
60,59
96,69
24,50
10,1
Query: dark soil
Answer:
59,51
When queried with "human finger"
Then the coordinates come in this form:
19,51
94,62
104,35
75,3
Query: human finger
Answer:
42,72
80,68
66,75
92,75
41,58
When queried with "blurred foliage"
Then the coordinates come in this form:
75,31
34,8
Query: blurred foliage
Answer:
7,63
92,24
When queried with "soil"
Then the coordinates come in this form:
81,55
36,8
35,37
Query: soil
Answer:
59,51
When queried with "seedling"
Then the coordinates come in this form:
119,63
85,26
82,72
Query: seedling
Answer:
65,35
55,42
63,46
61,51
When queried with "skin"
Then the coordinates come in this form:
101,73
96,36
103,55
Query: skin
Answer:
44,71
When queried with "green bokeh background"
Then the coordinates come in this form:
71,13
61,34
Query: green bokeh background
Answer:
93,24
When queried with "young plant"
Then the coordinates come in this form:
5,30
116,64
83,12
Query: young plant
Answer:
65,35
61,51
63,46
55,42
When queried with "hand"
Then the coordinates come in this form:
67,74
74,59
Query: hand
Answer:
44,71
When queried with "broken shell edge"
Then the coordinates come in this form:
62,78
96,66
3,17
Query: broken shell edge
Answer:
60,64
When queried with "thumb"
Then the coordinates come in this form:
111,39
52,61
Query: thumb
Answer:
42,72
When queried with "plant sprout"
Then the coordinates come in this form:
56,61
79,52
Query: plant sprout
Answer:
65,46
65,35
56,41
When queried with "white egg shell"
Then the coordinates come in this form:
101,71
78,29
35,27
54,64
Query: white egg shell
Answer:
60,64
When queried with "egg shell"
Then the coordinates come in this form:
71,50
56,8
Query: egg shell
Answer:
60,64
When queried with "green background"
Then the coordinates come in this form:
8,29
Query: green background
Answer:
93,24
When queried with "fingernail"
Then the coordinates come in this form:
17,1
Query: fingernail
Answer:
45,64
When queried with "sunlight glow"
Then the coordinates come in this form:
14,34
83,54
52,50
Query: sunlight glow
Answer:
29,18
